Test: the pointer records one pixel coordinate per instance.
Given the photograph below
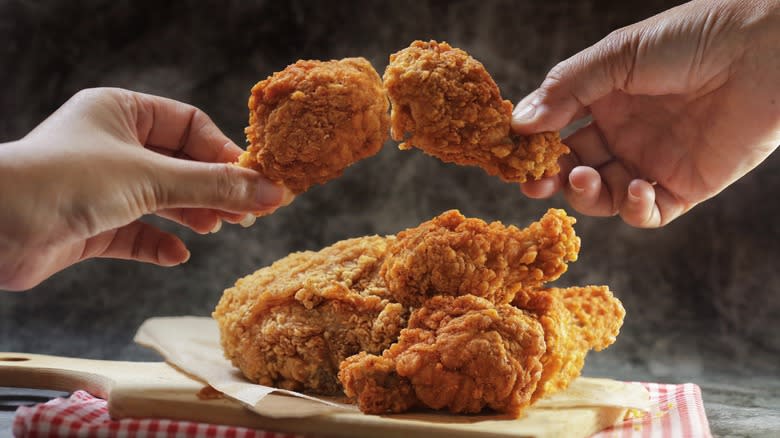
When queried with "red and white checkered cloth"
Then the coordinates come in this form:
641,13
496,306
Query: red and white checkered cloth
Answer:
82,415
678,412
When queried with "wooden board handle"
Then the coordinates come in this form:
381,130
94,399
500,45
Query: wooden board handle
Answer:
98,377
26,370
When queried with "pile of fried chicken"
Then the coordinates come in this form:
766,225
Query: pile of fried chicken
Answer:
453,314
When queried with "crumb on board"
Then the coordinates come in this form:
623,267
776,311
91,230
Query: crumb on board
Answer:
209,393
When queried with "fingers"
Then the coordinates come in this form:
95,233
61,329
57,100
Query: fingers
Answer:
138,241
639,203
181,130
200,220
574,84
587,193
543,188
589,148
225,187
651,206
639,208
206,182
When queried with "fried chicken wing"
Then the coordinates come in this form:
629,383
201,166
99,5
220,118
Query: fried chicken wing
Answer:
445,103
453,255
459,353
313,119
291,324
575,320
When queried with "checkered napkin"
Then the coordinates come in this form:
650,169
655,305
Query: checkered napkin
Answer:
82,415
677,412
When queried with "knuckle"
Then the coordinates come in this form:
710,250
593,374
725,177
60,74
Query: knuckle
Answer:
100,100
556,77
558,72
617,37
617,52
96,93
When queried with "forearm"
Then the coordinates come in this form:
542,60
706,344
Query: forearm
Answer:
10,219
8,185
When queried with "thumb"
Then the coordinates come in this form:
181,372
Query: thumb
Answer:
219,186
574,84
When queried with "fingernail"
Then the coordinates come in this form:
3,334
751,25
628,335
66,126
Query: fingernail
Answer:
524,113
574,187
248,220
217,227
186,259
633,194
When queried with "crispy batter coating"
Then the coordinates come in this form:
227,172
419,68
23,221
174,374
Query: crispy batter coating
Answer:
313,119
453,255
291,324
462,354
445,103
375,385
575,320
483,332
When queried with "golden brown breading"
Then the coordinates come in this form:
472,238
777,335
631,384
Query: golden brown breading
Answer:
453,255
483,332
459,353
372,381
291,324
313,119
445,103
575,320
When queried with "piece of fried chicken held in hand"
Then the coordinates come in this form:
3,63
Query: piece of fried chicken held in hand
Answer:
463,354
310,121
455,255
445,103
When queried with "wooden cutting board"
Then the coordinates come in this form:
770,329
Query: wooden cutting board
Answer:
157,390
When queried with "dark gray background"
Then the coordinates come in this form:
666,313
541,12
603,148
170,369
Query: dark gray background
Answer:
702,294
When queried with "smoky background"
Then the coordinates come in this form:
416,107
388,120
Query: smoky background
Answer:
702,295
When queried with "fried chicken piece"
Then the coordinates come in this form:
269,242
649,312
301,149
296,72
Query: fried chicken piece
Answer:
575,320
291,324
313,119
453,255
375,385
462,354
452,109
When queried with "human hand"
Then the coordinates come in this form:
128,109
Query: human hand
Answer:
683,104
75,187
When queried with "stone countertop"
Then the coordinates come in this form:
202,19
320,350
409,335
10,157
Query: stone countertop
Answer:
702,294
